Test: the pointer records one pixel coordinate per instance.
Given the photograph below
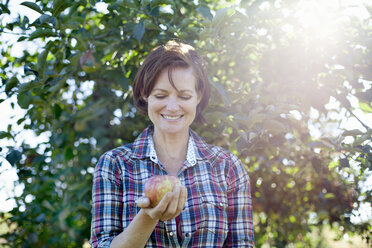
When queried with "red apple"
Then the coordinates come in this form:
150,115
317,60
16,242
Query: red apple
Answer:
158,185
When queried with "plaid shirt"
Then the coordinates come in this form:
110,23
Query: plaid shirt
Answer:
218,209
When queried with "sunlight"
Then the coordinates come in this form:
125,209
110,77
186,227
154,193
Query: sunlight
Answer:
321,19
316,15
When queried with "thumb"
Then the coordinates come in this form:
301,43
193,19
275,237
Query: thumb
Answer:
143,202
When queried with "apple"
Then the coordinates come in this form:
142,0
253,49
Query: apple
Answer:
157,186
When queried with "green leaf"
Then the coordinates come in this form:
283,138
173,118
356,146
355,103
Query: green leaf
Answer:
10,84
78,186
26,87
205,11
32,6
274,126
219,17
92,2
4,134
24,100
69,154
39,33
252,119
221,90
13,157
19,122
129,3
57,110
155,3
45,19
362,139
292,219
344,163
329,195
41,61
365,96
124,82
144,3
4,9
139,31
22,38
353,132
62,217
47,205
40,218
365,107
186,22
28,71
59,6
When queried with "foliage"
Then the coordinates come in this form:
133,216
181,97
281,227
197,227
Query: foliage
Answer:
272,75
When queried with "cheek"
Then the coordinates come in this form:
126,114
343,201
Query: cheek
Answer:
192,108
151,106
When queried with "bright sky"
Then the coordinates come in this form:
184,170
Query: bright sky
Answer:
9,116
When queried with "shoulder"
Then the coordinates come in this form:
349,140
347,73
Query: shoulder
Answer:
221,154
111,160
124,152
212,152
123,156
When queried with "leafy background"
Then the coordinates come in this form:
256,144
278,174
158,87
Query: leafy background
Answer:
285,75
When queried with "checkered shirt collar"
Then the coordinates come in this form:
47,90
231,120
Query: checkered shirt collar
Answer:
197,149
190,156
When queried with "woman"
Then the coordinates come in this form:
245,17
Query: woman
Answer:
212,208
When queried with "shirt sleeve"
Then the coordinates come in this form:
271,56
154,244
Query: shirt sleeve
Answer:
240,207
107,205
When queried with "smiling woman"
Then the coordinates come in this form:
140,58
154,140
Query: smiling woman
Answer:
173,109
214,206
161,63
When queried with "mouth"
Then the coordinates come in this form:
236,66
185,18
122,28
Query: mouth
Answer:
172,117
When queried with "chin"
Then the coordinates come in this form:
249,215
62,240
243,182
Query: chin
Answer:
173,129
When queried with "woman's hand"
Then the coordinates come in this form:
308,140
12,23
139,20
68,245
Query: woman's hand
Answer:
168,208
144,223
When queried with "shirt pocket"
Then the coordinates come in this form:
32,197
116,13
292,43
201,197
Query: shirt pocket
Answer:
214,214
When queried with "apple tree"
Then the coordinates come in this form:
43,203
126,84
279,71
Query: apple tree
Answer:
285,76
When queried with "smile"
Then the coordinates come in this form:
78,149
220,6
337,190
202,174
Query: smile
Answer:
169,117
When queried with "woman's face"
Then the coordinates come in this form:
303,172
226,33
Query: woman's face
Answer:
172,111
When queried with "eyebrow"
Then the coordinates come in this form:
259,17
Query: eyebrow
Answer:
181,91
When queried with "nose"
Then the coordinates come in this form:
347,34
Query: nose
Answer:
172,104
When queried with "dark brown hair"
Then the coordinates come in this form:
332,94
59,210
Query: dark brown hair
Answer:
171,55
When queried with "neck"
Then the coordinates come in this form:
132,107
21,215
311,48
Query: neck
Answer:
171,149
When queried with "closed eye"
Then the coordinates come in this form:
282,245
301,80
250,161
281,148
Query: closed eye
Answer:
185,97
160,96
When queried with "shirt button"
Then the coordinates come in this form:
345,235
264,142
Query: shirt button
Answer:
221,204
187,235
171,234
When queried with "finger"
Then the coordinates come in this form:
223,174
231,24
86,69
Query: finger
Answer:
143,202
156,212
173,204
182,200
161,208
